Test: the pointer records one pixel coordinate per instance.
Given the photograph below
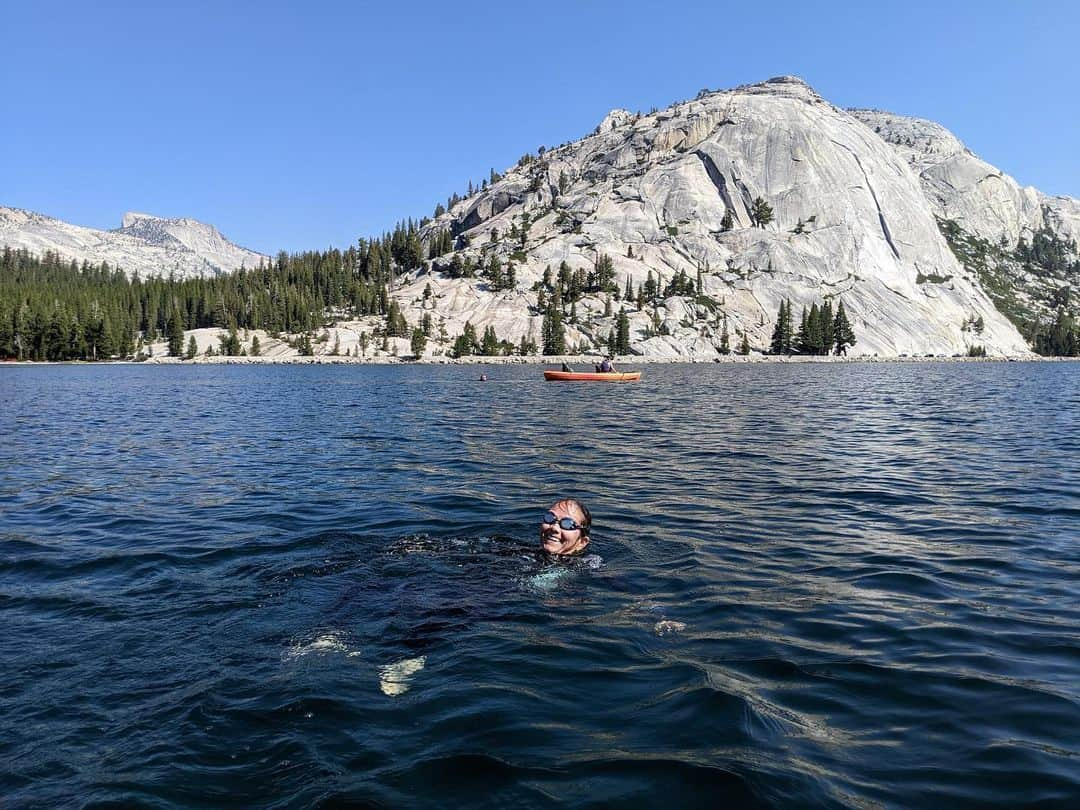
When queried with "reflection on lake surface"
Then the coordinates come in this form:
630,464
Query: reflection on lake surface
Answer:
809,584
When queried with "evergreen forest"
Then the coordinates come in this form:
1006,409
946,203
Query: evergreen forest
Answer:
51,309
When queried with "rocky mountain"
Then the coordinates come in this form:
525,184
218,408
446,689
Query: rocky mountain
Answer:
1021,243
961,187
145,245
681,232
671,195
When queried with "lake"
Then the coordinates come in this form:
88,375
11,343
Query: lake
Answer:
826,585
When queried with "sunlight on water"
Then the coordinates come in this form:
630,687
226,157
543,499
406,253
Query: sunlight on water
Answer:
807,585
395,679
328,643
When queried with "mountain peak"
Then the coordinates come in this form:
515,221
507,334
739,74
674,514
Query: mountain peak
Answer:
788,80
791,86
614,119
132,218
144,245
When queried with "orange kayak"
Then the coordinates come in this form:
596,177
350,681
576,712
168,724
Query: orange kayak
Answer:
592,376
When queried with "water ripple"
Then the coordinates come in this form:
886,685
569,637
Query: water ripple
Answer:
849,585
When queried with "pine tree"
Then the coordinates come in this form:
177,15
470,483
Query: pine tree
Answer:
650,288
744,346
828,338
525,223
256,349
176,335
418,342
789,332
725,345
554,335
56,335
396,325
230,343
727,223
493,272
622,339
192,348
604,275
815,336
843,334
1058,338
776,342
802,342
466,342
780,341
761,212
489,344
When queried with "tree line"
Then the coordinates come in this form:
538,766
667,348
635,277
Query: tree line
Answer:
1046,258
821,331
52,309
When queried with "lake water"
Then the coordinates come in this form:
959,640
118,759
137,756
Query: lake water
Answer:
827,585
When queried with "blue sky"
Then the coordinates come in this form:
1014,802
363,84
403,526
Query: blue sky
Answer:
304,125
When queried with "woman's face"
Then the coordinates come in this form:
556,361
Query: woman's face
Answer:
557,540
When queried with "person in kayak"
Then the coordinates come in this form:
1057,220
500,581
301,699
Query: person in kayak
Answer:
606,366
564,528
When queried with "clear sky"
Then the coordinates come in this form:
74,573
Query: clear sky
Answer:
304,125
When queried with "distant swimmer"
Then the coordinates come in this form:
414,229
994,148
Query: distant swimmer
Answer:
564,528
483,378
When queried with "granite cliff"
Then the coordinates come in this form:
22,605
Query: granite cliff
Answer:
854,217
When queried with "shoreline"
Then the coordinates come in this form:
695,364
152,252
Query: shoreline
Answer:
537,360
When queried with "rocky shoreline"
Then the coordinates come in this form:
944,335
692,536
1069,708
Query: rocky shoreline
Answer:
582,362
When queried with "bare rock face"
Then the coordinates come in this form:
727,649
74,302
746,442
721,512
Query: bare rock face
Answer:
961,187
673,193
144,245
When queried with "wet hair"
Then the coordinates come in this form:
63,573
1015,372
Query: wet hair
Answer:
585,513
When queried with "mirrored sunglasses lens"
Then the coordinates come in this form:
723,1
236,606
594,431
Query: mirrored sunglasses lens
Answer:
549,518
567,524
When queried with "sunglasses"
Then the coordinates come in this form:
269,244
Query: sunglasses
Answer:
567,524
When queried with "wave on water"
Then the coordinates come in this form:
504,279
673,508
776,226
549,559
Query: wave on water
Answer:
841,585
326,643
